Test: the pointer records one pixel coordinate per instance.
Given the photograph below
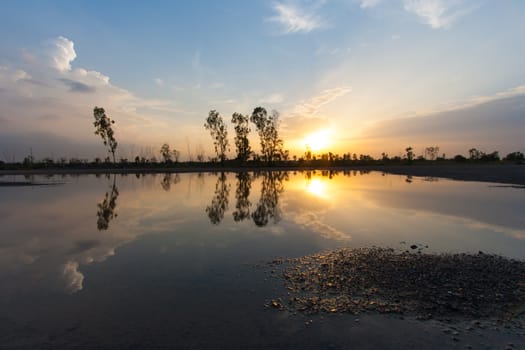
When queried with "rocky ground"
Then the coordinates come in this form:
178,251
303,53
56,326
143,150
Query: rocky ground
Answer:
446,287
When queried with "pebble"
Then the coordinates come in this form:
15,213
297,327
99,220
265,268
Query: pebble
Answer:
383,280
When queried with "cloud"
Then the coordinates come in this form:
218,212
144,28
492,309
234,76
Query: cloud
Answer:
293,19
272,98
61,53
159,81
76,86
369,3
312,106
488,123
438,13
50,86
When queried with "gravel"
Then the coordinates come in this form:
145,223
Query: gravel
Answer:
384,280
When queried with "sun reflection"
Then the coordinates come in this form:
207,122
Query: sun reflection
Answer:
317,188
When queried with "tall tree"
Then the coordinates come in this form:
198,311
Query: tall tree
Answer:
409,154
103,128
267,127
219,133
165,152
242,129
431,152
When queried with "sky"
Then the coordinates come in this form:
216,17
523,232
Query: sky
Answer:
358,76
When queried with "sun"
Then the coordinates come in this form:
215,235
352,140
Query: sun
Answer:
318,141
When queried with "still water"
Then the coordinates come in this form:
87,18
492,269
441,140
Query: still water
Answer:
162,260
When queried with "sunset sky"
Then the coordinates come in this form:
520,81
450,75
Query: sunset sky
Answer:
366,76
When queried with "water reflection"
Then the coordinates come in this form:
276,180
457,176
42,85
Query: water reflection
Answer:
242,194
106,208
277,210
268,206
168,180
219,202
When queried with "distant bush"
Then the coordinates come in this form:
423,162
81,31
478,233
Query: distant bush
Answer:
460,159
518,157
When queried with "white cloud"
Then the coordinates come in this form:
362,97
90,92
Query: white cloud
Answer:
312,106
438,13
21,75
493,122
62,53
159,81
49,86
272,98
293,19
369,3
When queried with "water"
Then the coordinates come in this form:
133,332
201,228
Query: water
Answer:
156,260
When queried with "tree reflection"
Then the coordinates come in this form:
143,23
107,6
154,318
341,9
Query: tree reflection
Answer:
242,193
268,205
106,208
168,180
219,202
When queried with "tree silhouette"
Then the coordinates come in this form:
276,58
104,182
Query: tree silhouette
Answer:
219,202
268,206
267,128
242,193
409,154
165,152
103,128
475,154
242,129
219,133
106,208
431,152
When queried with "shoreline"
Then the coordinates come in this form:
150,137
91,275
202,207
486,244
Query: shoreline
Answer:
511,174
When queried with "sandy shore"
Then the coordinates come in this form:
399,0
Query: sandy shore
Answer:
512,174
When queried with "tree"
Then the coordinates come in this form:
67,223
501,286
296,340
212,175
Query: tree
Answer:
431,152
409,154
475,154
267,125
165,152
515,157
242,129
219,133
103,128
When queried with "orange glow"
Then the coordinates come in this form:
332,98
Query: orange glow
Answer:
318,141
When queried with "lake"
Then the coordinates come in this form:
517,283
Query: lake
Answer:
174,261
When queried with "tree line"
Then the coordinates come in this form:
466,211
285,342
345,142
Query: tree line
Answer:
266,126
